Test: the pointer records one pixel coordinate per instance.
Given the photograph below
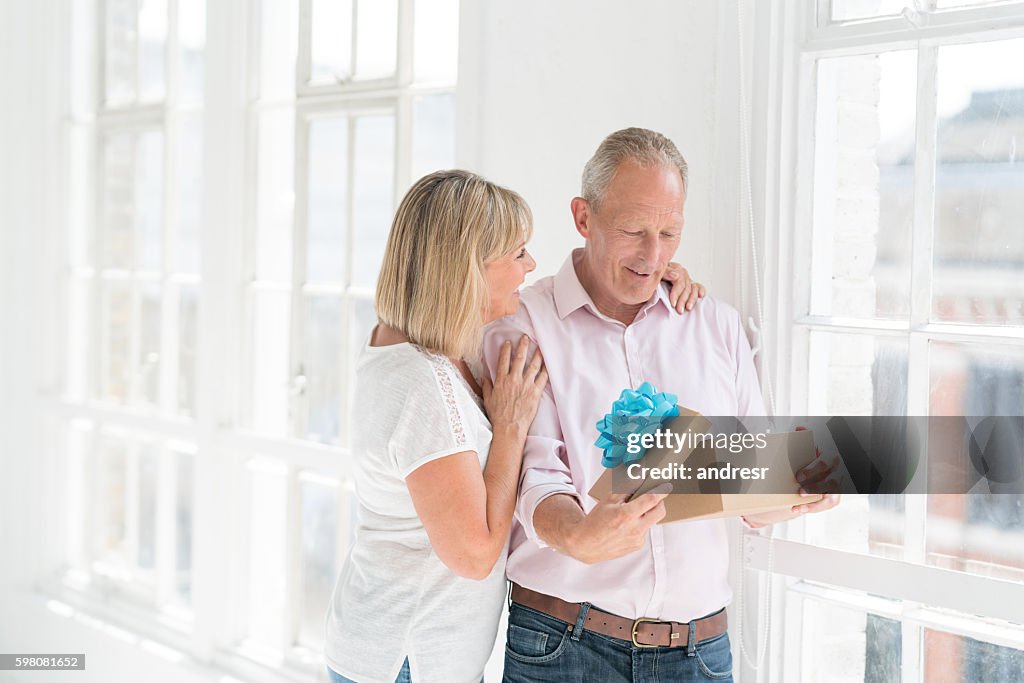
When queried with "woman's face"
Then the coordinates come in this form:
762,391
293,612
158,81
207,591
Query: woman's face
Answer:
504,275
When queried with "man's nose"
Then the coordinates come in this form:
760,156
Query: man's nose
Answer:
650,249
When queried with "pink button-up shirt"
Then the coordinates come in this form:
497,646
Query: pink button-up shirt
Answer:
703,357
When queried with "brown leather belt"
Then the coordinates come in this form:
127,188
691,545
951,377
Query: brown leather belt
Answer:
643,632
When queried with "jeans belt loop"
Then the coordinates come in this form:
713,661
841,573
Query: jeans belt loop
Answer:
691,644
577,630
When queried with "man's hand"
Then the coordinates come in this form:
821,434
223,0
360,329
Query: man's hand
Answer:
821,475
685,292
613,528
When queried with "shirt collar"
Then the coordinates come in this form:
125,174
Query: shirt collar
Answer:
570,294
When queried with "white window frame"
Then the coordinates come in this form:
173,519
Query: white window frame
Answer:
220,446
793,36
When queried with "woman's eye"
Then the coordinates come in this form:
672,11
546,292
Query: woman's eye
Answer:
521,254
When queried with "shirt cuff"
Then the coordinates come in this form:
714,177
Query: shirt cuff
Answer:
530,499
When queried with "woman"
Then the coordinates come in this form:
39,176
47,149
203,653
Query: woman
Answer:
438,455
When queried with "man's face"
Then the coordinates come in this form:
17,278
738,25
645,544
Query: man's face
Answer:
633,235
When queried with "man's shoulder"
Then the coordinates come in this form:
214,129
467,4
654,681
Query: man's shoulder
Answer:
540,293
715,311
709,313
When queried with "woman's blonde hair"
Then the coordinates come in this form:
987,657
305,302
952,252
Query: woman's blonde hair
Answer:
431,285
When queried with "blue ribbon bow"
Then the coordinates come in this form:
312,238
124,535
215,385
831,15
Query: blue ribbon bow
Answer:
642,410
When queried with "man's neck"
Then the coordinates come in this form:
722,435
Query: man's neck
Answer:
607,305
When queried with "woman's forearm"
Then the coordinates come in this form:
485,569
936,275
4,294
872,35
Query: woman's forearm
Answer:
501,481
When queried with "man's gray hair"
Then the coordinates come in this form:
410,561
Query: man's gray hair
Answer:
644,147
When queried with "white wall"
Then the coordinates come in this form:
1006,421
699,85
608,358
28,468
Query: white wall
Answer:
541,83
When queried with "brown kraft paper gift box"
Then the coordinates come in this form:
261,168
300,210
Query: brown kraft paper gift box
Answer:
784,454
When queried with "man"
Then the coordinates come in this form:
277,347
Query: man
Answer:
599,592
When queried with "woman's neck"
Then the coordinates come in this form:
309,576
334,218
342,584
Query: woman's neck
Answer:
385,335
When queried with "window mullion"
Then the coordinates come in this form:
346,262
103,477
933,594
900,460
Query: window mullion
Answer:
172,55
354,42
137,51
298,363
304,61
169,291
916,506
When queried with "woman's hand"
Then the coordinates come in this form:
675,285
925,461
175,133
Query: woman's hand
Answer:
685,292
511,401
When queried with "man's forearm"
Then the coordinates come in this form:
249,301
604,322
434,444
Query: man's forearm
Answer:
555,519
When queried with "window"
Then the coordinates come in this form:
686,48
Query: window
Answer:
135,203
348,102
906,213
337,141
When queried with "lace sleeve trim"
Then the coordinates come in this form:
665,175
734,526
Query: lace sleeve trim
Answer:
442,371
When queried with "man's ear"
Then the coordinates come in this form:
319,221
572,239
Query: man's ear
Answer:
581,216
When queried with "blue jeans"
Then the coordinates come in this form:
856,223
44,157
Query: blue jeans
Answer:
541,648
403,675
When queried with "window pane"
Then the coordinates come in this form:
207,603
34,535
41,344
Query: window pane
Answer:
374,194
857,374
322,367
328,178
436,38
119,51
364,318
843,10
148,359
189,187
982,532
192,46
268,553
866,524
948,656
376,38
116,334
863,190
275,197
319,553
279,47
331,47
188,337
269,362
148,198
148,491
183,527
112,492
976,379
152,49
133,200
118,201
848,646
80,442
433,134
979,246
80,348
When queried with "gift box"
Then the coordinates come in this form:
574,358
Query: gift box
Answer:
777,456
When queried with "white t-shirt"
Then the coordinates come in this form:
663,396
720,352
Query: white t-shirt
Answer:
394,597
